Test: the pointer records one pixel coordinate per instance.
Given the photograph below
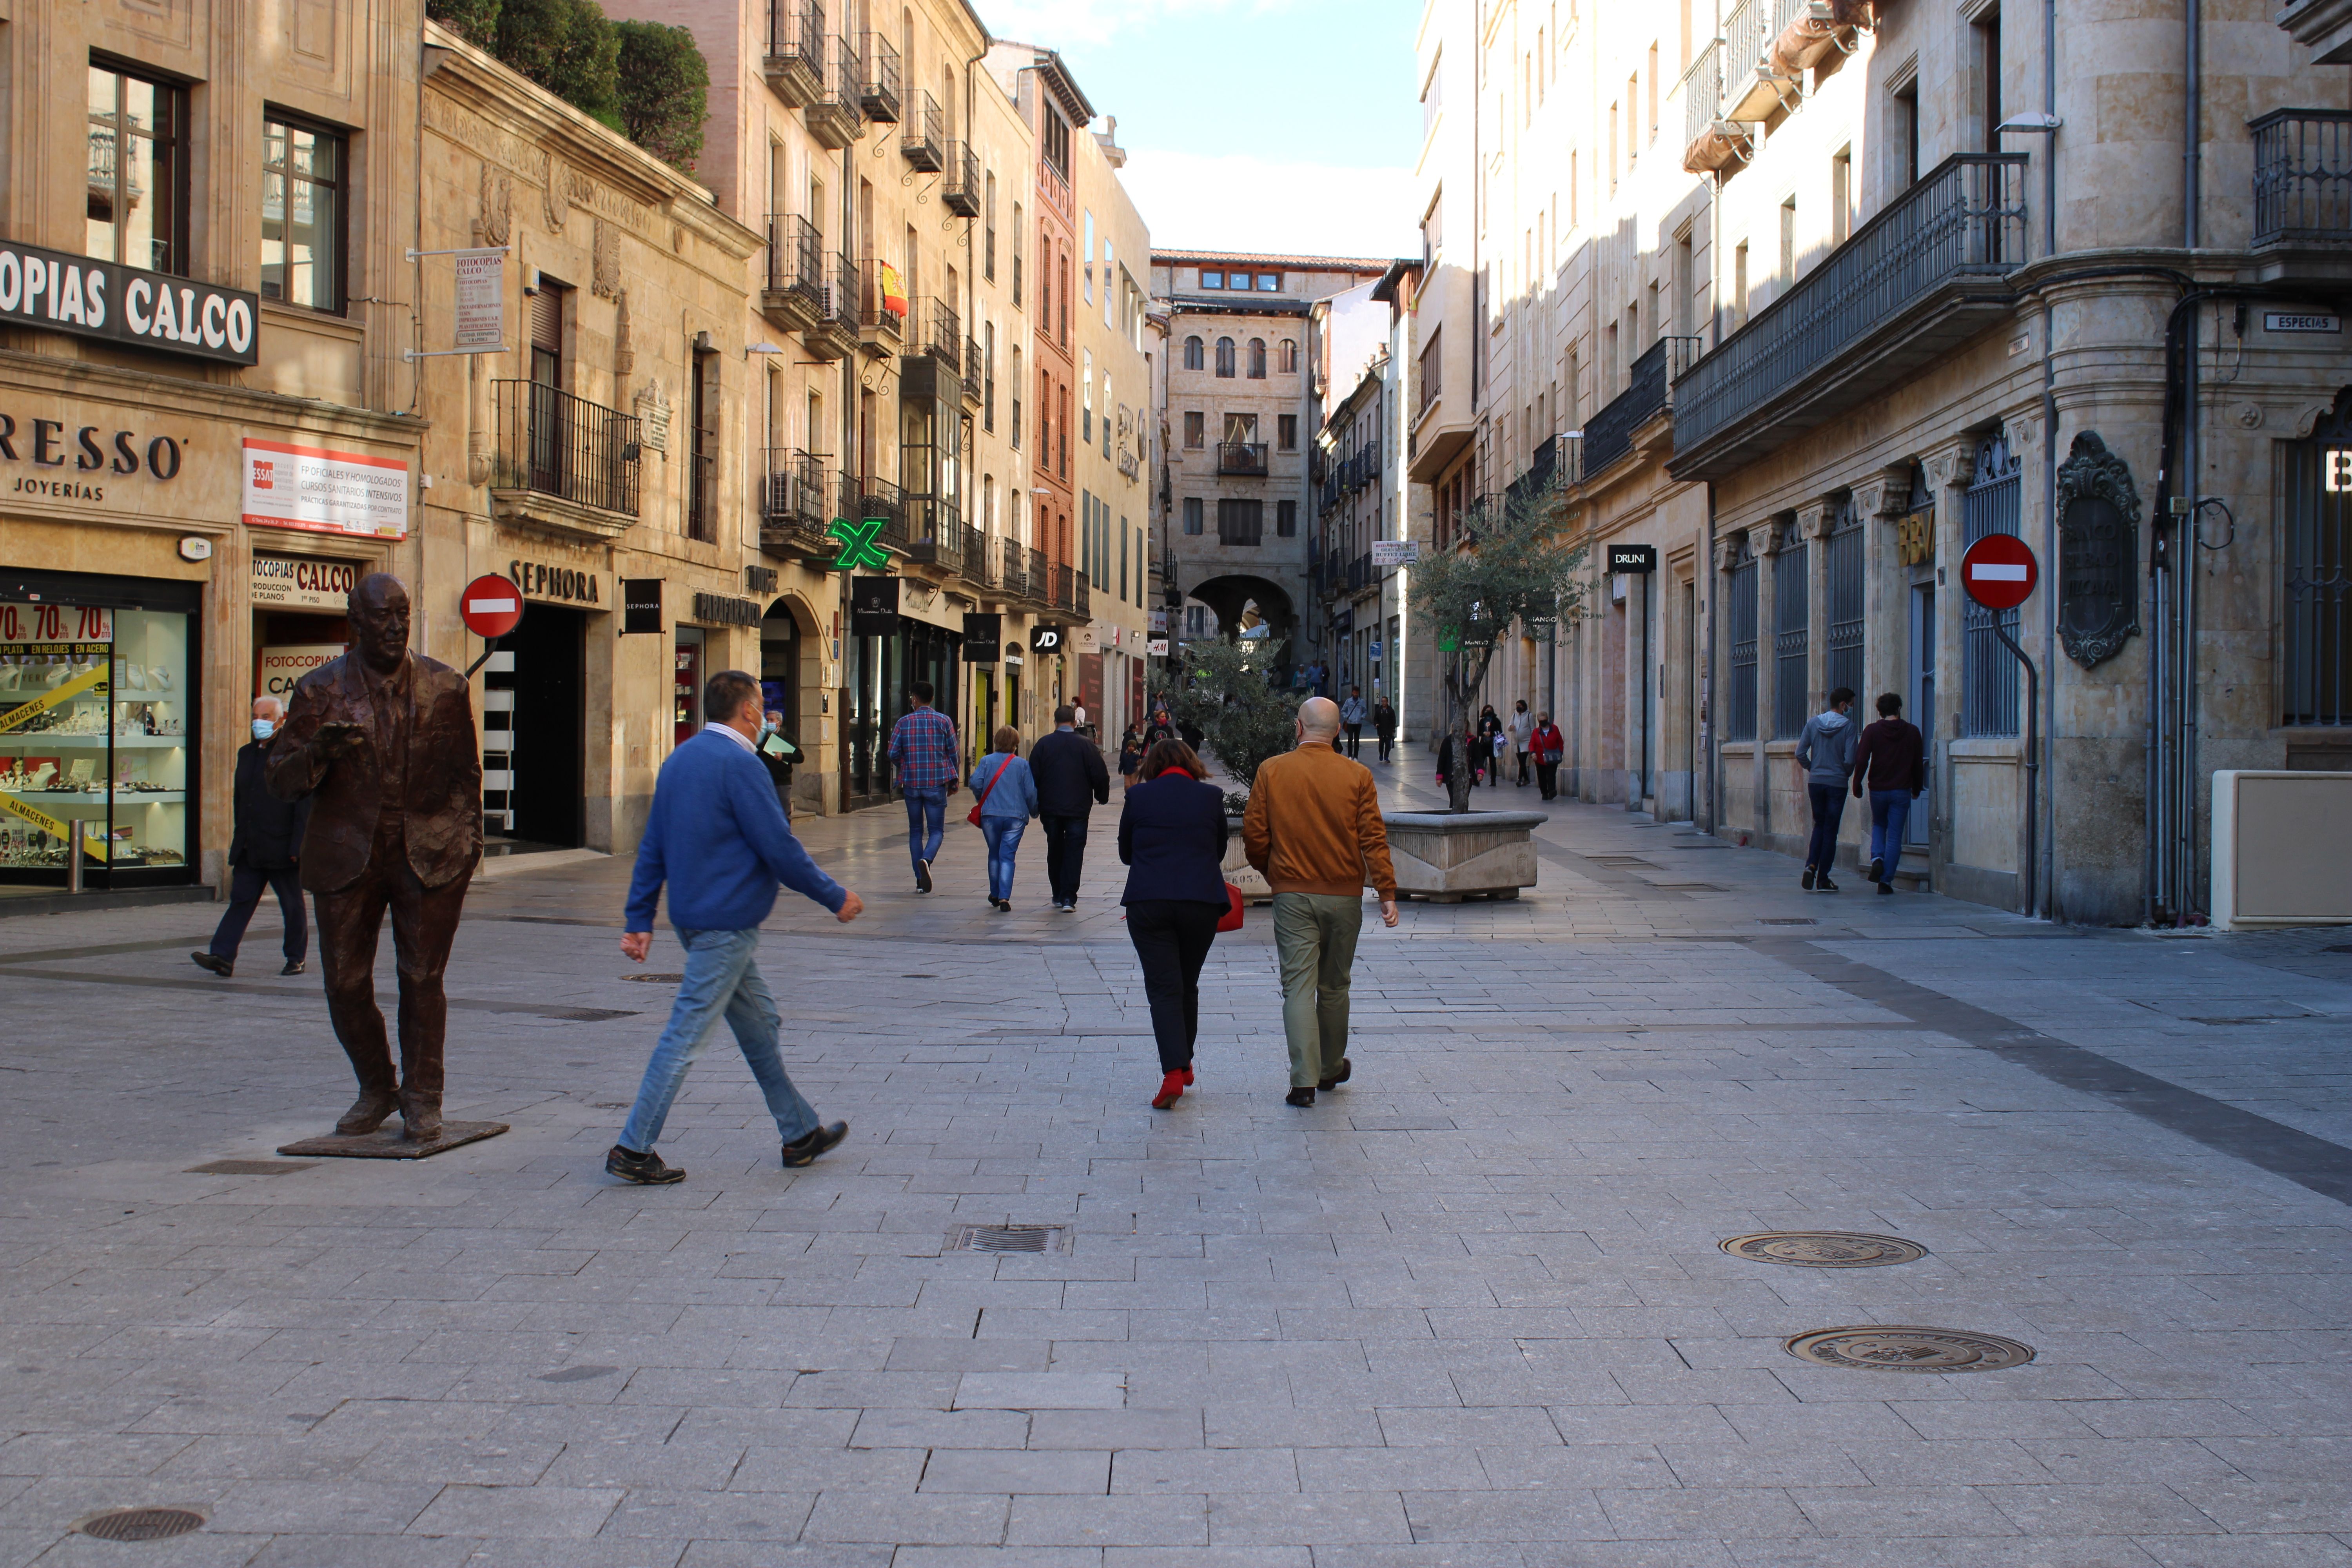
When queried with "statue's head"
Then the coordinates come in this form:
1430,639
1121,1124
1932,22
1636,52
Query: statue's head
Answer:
378,608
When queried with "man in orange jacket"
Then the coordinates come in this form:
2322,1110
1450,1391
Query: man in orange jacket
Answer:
1313,827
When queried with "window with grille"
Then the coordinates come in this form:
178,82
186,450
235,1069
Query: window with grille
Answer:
2317,681
1241,522
1790,622
1739,710
1989,677
1844,648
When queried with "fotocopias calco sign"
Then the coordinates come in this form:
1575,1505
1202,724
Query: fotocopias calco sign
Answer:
94,299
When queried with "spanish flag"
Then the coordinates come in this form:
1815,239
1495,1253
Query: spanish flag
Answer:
894,291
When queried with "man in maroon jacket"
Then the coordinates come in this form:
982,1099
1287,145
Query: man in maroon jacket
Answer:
1890,761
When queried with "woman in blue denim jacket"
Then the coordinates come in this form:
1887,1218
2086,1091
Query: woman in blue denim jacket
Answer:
1008,799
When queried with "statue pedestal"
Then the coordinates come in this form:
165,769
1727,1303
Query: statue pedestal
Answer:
387,1143
1239,871
1445,857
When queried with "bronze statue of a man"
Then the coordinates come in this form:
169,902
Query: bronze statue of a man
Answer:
382,741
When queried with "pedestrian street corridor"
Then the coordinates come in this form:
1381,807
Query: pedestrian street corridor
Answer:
1472,1309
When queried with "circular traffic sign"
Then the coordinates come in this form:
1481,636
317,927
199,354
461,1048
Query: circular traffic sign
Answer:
490,607
1999,571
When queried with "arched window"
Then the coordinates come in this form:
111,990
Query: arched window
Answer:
1192,353
1287,357
1225,358
1257,358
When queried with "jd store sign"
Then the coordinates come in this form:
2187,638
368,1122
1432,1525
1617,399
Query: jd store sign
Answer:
1047,639
92,299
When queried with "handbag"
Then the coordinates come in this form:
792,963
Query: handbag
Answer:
1232,919
972,816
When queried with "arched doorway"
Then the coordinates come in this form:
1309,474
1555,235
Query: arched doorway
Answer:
1259,604
789,671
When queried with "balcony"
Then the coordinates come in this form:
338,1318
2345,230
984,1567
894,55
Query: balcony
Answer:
794,61
972,373
1245,458
879,95
920,142
835,119
563,463
792,295
1038,582
1710,141
795,506
879,328
1084,608
935,539
2303,194
1012,574
1609,433
1925,274
936,330
961,190
874,497
836,329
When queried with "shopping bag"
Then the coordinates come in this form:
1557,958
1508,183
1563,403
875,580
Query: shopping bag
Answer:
1232,919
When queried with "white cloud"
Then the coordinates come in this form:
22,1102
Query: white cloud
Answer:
1240,201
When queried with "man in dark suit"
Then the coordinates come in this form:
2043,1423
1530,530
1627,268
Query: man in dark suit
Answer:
1072,780
262,853
382,741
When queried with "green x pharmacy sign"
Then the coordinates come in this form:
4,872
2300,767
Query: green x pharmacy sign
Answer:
858,543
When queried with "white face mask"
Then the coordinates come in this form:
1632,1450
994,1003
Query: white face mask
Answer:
262,729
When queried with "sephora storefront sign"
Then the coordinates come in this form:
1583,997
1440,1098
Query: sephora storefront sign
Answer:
61,293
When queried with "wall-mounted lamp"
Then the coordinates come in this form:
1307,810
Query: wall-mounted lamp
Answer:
762,347
2031,124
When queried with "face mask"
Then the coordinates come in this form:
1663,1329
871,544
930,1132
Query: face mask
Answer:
262,729
767,730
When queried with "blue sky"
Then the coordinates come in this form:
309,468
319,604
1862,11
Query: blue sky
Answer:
1276,125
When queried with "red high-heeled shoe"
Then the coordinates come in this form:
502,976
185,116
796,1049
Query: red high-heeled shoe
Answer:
1188,1078
1171,1089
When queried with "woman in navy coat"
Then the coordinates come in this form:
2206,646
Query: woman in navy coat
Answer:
1172,835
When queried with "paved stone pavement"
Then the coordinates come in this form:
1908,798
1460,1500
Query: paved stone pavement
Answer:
1469,1310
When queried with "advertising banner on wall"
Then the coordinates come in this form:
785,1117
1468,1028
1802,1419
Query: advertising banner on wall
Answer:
300,583
323,491
282,667
480,319
93,299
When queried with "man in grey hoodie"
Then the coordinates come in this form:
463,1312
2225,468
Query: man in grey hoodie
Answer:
1826,752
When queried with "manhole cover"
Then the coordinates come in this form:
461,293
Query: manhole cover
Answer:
1788,921
655,979
1895,1348
250,1167
1824,1248
1009,1238
140,1523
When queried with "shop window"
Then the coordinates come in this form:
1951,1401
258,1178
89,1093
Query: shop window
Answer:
302,213
2317,677
137,204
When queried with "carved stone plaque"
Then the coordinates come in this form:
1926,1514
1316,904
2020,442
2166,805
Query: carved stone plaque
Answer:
2098,551
653,409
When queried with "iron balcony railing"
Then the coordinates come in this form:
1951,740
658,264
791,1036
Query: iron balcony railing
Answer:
938,332
566,447
2303,177
1066,588
871,312
1702,89
878,497
1082,605
796,258
835,115
796,55
1543,473
879,96
1012,576
1040,578
920,141
1608,434
702,496
1965,219
959,191
795,498
1242,458
975,560
933,539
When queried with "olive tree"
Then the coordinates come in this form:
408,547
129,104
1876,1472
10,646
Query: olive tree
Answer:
1229,696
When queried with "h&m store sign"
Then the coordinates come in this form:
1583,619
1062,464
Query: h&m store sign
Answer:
93,299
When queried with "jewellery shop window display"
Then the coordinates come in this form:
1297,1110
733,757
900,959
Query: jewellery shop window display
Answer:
96,716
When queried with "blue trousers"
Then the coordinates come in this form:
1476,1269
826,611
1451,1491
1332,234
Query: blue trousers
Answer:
1829,809
720,978
1003,837
926,818
1890,813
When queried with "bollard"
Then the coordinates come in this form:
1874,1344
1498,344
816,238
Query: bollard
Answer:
73,863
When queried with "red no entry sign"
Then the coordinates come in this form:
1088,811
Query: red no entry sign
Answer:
490,607
1999,571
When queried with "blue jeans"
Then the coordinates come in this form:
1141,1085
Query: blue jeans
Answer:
1890,813
720,978
1829,809
1003,836
927,819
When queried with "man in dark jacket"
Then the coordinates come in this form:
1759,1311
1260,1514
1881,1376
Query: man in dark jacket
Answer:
263,851
1891,760
1072,780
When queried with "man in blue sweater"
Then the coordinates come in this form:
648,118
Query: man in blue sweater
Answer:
719,837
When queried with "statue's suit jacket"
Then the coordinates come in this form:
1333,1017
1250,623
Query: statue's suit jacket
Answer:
443,818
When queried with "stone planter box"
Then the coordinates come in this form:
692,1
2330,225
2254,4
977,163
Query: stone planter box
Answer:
1446,858
1239,871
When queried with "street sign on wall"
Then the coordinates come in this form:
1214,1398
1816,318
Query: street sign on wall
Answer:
491,607
1999,571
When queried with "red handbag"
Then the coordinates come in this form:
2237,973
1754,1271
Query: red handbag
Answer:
972,816
1232,919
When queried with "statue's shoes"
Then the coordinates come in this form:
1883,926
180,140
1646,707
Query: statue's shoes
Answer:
368,1112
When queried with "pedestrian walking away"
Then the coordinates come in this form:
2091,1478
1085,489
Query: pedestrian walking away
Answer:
1890,760
265,848
1384,725
718,838
923,758
1008,799
1825,757
1352,714
1521,727
1071,782
1171,837
1130,756
1313,827
1547,745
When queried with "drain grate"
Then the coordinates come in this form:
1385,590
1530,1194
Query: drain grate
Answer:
1902,1348
250,1167
140,1523
1824,1248
1788,921
656,979
1009,1238
577,1374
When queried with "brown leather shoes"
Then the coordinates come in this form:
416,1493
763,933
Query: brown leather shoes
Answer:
420,1116
368,1112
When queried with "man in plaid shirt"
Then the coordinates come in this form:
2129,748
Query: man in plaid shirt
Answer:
923,754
